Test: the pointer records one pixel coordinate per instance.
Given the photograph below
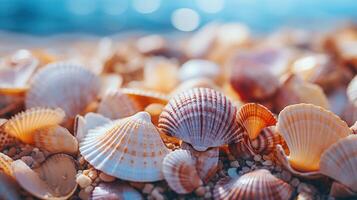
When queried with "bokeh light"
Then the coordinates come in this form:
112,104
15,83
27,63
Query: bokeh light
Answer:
185,19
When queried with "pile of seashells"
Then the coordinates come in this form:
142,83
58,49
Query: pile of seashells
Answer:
219,114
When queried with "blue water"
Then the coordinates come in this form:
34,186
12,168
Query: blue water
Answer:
43,17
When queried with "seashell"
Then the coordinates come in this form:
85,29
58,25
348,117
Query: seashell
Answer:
160,74
259,184
294,90
339,162
154,110
352,90
308,130
201,117
67,86
206,162
9,188
54,179
143,98
129,149
267,140
6,140
180,172
339,190
354,128
90,121
24,125
116,105
254,117
5,164
198,68
115,191
109,83
56,139
195,83
241,149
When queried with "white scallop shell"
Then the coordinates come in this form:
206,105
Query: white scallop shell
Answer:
90,121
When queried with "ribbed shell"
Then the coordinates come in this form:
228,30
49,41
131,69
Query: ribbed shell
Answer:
257,185
308,131
340,160
201,117
115,191
254,117
352,90
64,85
116,105
6,139
56,139
206,162
129,149
90,121
267,140
179,169
143,98
5,164
54,179
339,190
24,125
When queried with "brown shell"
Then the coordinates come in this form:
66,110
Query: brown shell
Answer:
6,139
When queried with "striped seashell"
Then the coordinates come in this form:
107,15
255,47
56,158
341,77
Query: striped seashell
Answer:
6,139
254,117
143,98
129,149
308,131
341,191
54,179
5,164
201,117
241,149
9,188
256,185
339,162
116,105
56,139
115,191
23,126
64,85
90,121
180,172
206,162
352,90
267,140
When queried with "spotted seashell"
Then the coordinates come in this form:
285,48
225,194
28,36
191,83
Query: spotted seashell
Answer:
129,149
6,139
257,185
115,191
5,164
180,172
201,117
68,86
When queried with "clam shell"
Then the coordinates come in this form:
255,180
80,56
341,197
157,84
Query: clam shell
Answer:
6,140
206,162
143,98
339,190
90,121
8,189
199,68
64,85
56,139
254,117
115,191
259,184
352,90
5,164
54,179
23,125
309,130
201,117
116,105
180,172
129,149
340,160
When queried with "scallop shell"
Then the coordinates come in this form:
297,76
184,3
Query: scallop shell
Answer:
199,68
254,117
8,189
64,85
180,172
206,162
340,160
259,184
116,105
143,98
267,140
6,140
352,90
24,125
201,117
5,164
308,131
115,191
339,190
90,121
241,149
54,179
129,149
56,139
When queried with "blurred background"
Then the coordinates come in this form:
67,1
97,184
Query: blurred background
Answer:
105,17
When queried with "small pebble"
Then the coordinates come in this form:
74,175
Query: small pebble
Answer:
303,187
257,157
157,195
286,176
208,195
148,188
11,152
278,168
304,196
93,174
268,163
83,181
235,164
295,182
232,172
249,163
200,191
81,161
39,157
245,169
89,189
106,178
28,160
266,157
